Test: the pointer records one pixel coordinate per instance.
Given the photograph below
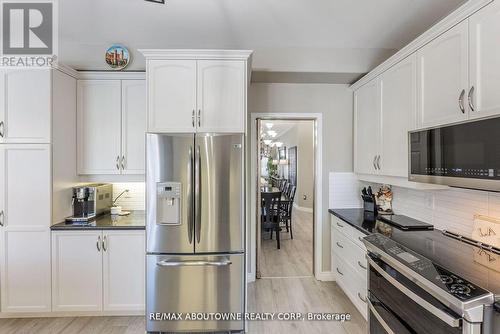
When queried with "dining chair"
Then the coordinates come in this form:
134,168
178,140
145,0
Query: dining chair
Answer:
286,211
270,214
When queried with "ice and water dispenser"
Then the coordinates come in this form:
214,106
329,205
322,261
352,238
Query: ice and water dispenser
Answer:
168,210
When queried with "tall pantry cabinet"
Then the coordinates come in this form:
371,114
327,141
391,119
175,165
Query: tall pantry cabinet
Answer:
37,106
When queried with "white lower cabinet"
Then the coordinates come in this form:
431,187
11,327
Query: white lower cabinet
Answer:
98,271
349,263
124,270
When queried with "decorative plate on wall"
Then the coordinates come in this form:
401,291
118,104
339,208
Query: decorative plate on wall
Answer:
117,57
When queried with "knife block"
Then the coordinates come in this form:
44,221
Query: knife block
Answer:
370,209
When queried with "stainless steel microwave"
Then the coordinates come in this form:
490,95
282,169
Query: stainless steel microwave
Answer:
465,155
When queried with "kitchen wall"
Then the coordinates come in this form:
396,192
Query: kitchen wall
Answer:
335,103
301,135
135,199
451,209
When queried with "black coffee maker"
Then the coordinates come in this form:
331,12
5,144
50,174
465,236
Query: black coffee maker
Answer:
83,203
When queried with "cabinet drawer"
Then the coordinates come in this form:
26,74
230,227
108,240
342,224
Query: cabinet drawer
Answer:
349,252
349,231
353,285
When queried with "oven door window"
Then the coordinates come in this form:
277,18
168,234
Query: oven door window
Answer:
392,304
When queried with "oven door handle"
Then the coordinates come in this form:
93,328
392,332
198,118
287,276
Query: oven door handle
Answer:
379,318
447,318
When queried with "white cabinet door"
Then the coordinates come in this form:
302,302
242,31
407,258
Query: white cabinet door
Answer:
124,270
99,126
77,271
484,27
171,95
221,96
25,105
443,78
134,111
25,208
367,127
398,114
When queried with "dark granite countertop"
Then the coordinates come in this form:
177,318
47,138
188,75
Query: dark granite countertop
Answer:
355,218
136,220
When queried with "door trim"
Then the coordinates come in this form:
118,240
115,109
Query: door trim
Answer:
318,272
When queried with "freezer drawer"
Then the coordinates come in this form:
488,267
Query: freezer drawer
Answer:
194,283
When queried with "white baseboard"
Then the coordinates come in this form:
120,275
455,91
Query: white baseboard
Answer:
325,276
301,208
58,314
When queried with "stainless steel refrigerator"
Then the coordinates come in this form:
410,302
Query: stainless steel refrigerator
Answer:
195,230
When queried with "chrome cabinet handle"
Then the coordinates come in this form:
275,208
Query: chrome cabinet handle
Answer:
461,101
362,266
1,218
192,119
193,263
339,225
378,162
469,97
118,162
98,244
2,126
199,117
374,164
362,299
123,162
105,244
339,271
339,245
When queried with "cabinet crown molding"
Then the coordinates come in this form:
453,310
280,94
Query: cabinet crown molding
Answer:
196,54
457,16
111,75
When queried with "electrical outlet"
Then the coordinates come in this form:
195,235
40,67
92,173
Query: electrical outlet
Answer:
304,197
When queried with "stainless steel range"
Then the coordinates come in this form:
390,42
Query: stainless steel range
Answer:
410,293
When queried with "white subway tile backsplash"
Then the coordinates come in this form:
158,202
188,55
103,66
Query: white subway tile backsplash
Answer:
135,199
344,191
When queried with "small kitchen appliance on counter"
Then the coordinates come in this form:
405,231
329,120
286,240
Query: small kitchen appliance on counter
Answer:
91,200
370,209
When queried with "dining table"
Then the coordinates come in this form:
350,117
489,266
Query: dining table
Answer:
272,190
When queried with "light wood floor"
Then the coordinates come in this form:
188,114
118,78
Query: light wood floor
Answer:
295,257
265,295
284,290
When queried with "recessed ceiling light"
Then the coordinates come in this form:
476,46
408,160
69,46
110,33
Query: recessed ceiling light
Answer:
272,133
268,141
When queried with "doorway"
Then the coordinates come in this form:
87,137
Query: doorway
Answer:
285,170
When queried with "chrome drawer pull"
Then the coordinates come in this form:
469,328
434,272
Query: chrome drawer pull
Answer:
362,299
193,263
340,225
339,245
339,271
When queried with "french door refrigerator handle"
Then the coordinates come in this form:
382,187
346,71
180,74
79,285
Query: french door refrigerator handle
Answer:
450,320
193,263
190,196
197,194
379,318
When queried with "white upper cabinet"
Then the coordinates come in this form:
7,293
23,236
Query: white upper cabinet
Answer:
111,126
367,127
99,126
197,90
443,78
221,96
25,177
398,95
25,105
133,126
172,95
483,94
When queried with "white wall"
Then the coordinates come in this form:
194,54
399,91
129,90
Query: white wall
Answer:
335,102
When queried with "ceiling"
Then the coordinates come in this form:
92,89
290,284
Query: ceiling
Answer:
320,36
